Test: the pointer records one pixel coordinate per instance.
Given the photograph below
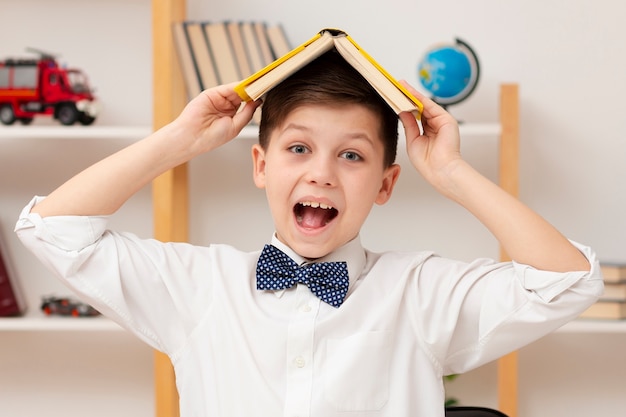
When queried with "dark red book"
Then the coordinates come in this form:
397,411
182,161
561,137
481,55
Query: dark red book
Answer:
11,303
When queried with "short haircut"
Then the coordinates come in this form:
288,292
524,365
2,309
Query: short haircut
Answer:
328,80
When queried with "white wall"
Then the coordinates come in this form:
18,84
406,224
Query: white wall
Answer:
566,56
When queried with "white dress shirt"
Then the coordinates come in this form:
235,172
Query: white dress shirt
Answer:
408,319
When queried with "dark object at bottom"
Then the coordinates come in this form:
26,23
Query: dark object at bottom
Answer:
61,306
473,412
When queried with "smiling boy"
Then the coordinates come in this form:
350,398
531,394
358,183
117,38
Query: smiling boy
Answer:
394,325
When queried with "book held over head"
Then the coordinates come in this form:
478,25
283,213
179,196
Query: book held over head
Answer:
398,97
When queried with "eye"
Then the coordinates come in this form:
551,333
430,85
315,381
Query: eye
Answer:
351,156
298,149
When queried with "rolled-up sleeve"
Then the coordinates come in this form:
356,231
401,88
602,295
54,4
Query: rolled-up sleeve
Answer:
143,284
486,309
548,285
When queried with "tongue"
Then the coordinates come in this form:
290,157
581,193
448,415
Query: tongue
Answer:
313,217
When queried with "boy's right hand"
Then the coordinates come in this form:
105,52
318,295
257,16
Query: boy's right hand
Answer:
212,119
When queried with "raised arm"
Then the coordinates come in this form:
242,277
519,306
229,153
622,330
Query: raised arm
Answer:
208,121
525,236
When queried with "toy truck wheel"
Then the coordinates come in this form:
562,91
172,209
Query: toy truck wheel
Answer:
67,114
85,119
7,115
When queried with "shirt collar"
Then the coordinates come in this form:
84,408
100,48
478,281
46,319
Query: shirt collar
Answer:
352,253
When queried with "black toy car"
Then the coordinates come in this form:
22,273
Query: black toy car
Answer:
63,306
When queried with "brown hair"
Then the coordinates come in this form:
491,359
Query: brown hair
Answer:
328,80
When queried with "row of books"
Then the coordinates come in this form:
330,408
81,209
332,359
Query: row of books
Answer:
612,304
215,53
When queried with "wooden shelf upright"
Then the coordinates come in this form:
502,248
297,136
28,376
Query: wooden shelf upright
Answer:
509,181
170,190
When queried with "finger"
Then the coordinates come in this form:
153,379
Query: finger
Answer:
241,119
431,109
411,127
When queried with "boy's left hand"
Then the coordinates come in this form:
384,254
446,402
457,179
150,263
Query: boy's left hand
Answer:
436,150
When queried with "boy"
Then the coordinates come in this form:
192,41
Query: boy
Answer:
243,344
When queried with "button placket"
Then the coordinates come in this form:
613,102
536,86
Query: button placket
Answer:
300,338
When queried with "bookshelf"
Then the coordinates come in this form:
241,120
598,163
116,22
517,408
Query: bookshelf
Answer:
170,200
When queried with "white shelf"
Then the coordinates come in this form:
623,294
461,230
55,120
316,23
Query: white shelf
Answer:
38,322
139,132
594,326
480,129
74,132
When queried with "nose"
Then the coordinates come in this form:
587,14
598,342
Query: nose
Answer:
321,170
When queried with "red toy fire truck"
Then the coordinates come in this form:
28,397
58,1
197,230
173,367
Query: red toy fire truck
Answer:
30,87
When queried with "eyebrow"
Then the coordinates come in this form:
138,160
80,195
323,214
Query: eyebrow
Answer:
351,135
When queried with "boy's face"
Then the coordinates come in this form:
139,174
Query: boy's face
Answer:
322,172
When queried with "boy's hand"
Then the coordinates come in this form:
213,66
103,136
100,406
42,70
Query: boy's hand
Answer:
213,118
436,151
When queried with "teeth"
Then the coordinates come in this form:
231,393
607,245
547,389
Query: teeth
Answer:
315,204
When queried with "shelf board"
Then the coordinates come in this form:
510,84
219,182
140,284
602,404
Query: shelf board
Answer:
480,129
74,132
250,132
594,326
40,323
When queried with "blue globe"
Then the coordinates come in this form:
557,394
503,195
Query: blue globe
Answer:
449,72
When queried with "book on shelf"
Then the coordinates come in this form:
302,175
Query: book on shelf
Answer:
278,41
199,50
398,98
614,292
606,310
222,52
253,51
239,48
613,272
11,299
260,29
186,60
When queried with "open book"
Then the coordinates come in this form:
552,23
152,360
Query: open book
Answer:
398,98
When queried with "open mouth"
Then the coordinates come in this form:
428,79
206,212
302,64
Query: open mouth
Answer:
314,215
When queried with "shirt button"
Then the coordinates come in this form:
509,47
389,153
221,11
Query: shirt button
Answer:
299,362
305,308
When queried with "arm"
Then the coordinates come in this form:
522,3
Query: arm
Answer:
525,236
208,121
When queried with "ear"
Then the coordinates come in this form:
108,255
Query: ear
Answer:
390,177
258,165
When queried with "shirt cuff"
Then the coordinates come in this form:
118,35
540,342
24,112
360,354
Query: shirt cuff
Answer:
547,285
69,233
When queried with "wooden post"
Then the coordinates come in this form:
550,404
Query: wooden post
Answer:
509,181
170,190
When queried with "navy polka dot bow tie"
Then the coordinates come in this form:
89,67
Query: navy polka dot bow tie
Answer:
277,271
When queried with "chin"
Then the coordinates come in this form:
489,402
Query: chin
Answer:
310,250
